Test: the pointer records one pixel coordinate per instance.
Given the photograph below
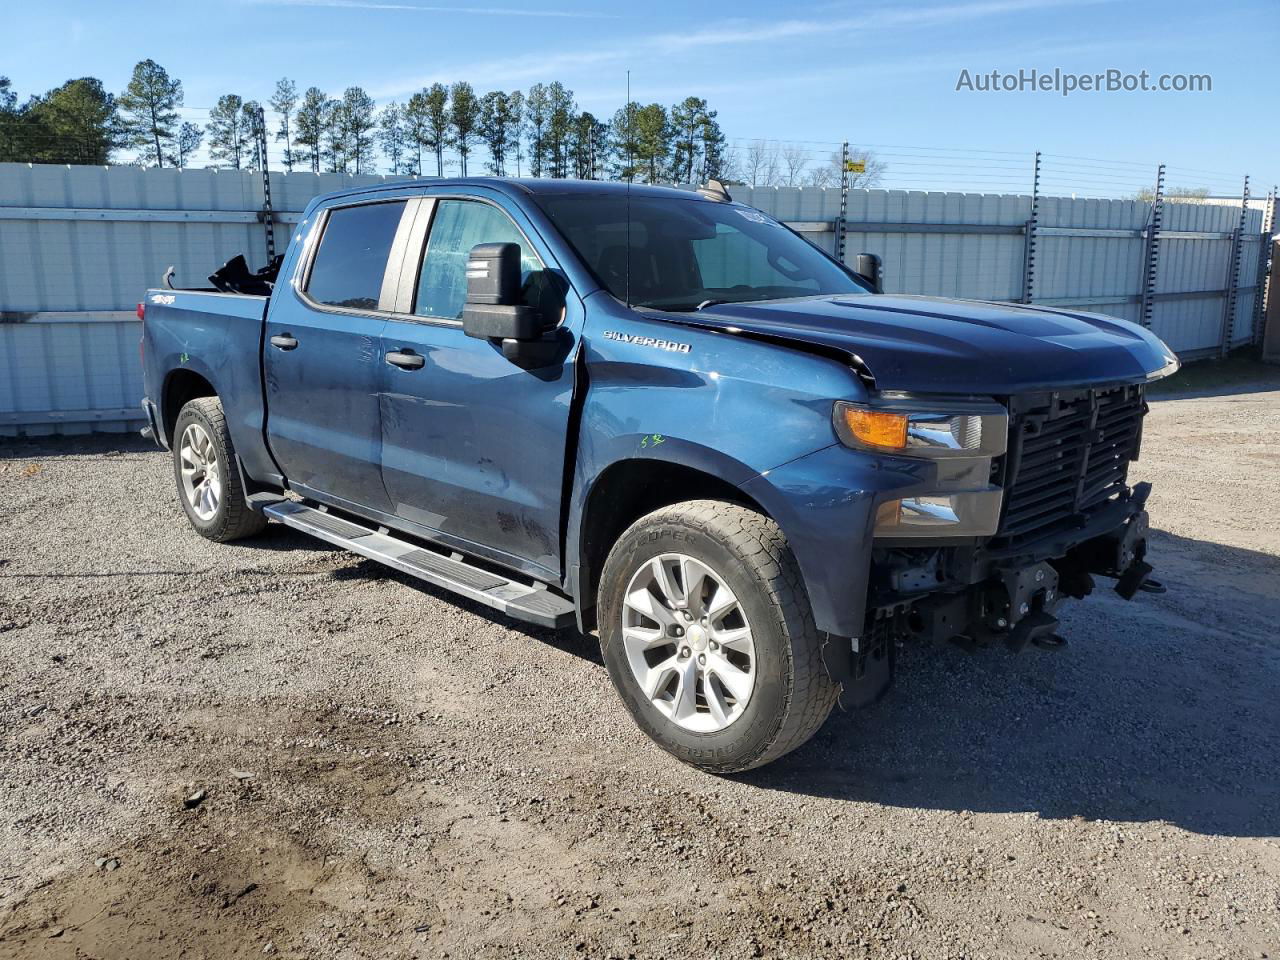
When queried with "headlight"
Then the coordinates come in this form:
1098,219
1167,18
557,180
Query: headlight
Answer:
923,432
963,435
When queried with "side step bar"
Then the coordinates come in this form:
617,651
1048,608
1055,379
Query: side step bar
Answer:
520,600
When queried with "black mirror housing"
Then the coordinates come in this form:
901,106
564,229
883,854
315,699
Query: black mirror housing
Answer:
501,322
493,310
493,273
867,266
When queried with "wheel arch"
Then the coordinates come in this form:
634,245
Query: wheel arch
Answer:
624,492
180,388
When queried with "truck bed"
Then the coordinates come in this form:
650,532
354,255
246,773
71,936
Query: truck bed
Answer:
191,336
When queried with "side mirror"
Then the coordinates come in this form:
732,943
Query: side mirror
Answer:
867,266
493,310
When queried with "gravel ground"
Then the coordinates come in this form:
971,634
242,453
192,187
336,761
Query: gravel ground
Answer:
276,748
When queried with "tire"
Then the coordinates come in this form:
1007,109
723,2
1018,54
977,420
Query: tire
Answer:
790,694
204,468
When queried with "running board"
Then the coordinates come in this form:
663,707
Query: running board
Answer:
520,600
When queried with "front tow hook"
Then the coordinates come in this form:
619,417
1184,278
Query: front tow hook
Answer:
1135,579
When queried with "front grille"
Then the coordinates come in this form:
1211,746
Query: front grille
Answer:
1068,453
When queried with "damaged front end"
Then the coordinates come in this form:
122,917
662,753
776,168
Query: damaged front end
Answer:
1067,515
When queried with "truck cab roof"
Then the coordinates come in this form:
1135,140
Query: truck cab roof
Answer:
524,186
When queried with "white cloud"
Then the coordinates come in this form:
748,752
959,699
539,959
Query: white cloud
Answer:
517,70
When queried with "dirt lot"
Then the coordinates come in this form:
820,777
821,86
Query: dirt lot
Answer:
279,749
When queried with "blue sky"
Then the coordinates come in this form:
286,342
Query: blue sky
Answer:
882,74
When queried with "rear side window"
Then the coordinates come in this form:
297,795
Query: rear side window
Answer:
458,225
352,257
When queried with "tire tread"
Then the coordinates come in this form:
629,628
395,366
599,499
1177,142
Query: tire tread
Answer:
239,520
811,694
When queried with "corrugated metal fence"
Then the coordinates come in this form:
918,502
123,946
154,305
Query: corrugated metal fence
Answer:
78,245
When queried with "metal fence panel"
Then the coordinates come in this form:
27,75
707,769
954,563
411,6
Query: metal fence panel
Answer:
79,245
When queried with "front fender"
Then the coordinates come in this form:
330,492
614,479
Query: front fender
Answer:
825,504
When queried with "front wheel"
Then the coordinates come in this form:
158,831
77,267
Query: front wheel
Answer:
204,467
708,636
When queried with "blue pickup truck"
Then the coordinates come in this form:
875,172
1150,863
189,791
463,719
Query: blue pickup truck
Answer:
665,417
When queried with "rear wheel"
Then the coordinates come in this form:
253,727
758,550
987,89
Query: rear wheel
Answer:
208,481
709,639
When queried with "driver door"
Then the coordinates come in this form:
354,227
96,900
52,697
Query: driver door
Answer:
473,446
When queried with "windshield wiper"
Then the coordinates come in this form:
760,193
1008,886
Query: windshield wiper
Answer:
708,303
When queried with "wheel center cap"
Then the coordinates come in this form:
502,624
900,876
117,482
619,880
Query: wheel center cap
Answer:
697,638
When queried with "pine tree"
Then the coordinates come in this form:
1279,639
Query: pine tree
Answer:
713,154
436,101
689,126
252,116
149,105
10,122
589,146
415,127
229,131
310,124
537,114
653,140
560,115
335,136
74,123
187,143
393,138
464,118
497,127
515,104
357,124
283,102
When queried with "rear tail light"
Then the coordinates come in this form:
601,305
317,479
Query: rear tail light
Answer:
142,311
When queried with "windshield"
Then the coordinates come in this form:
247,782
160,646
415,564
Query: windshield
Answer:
689,254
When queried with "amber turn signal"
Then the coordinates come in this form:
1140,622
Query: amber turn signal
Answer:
874,428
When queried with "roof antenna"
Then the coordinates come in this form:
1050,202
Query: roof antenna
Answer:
631,169
714,190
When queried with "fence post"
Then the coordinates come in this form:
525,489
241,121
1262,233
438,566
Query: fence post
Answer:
842,220
1029,236
267,217
1233,277
1153,250
1263,285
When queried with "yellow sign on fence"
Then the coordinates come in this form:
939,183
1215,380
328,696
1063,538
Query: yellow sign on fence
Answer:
855,166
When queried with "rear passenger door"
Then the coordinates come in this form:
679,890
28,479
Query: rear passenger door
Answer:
322,357
473,446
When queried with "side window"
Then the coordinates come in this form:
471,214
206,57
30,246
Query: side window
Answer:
352,256
456,227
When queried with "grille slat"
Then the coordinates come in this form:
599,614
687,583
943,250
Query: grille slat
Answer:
1068,455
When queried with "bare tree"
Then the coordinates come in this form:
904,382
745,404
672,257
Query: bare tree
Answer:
828,175
794,159
760,164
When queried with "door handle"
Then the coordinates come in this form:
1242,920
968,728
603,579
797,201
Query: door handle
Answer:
285,342
406,360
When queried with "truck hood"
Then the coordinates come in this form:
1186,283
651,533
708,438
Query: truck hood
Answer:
935,345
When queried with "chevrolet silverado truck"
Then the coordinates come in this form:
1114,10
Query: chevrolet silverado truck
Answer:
662,416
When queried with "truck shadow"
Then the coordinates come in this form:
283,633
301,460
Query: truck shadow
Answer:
1164,709
569,641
